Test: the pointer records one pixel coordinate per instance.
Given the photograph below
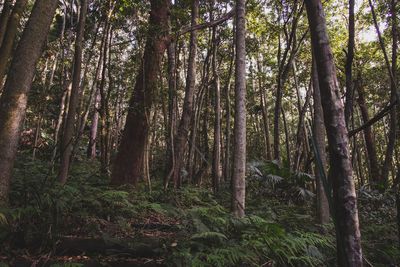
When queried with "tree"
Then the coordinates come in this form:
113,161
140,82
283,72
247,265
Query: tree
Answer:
9,36
239,158
14,99
319,136
348,235
67,138
128,163
183,130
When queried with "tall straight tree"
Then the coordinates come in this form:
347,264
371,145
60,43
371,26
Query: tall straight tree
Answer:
341,174
319,135
348,109
129,160
67,138
183,129
14,99
239,157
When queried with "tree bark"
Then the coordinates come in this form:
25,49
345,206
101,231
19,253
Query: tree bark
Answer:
319,135
183,130
67,139
129,159
5,14
216,168
348,109
344,195
387,164
239,158
375,176
6,46
13,101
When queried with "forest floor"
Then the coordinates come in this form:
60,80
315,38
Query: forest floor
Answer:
88,223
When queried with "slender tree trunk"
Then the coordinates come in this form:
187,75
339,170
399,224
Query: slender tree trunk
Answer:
387,164
183,130
13,101
67,139
172,105
319,136
239,158
92,148
9,36
104,102
227,165
348,109
375,176
216,168
129,160
263,102
341,174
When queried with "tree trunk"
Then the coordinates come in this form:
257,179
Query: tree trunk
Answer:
67,139
227,164
183,130
216,168
14,98
348,109
319,136
239,158
344,195
9,36
375,176
5,14
172,105
129,159
387,164
92,148
263,102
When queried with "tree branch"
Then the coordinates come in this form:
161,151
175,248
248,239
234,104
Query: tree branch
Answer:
213,23
385,111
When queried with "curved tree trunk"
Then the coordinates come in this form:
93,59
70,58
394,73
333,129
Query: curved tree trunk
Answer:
15,95
129,160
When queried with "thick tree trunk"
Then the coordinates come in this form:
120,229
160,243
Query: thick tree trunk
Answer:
239,158
183,130
15,95
67,139
319,136
9,36
5,14
344,194
129,160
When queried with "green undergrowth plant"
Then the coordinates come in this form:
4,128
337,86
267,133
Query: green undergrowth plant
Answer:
218,239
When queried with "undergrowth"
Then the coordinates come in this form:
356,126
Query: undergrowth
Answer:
278,230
